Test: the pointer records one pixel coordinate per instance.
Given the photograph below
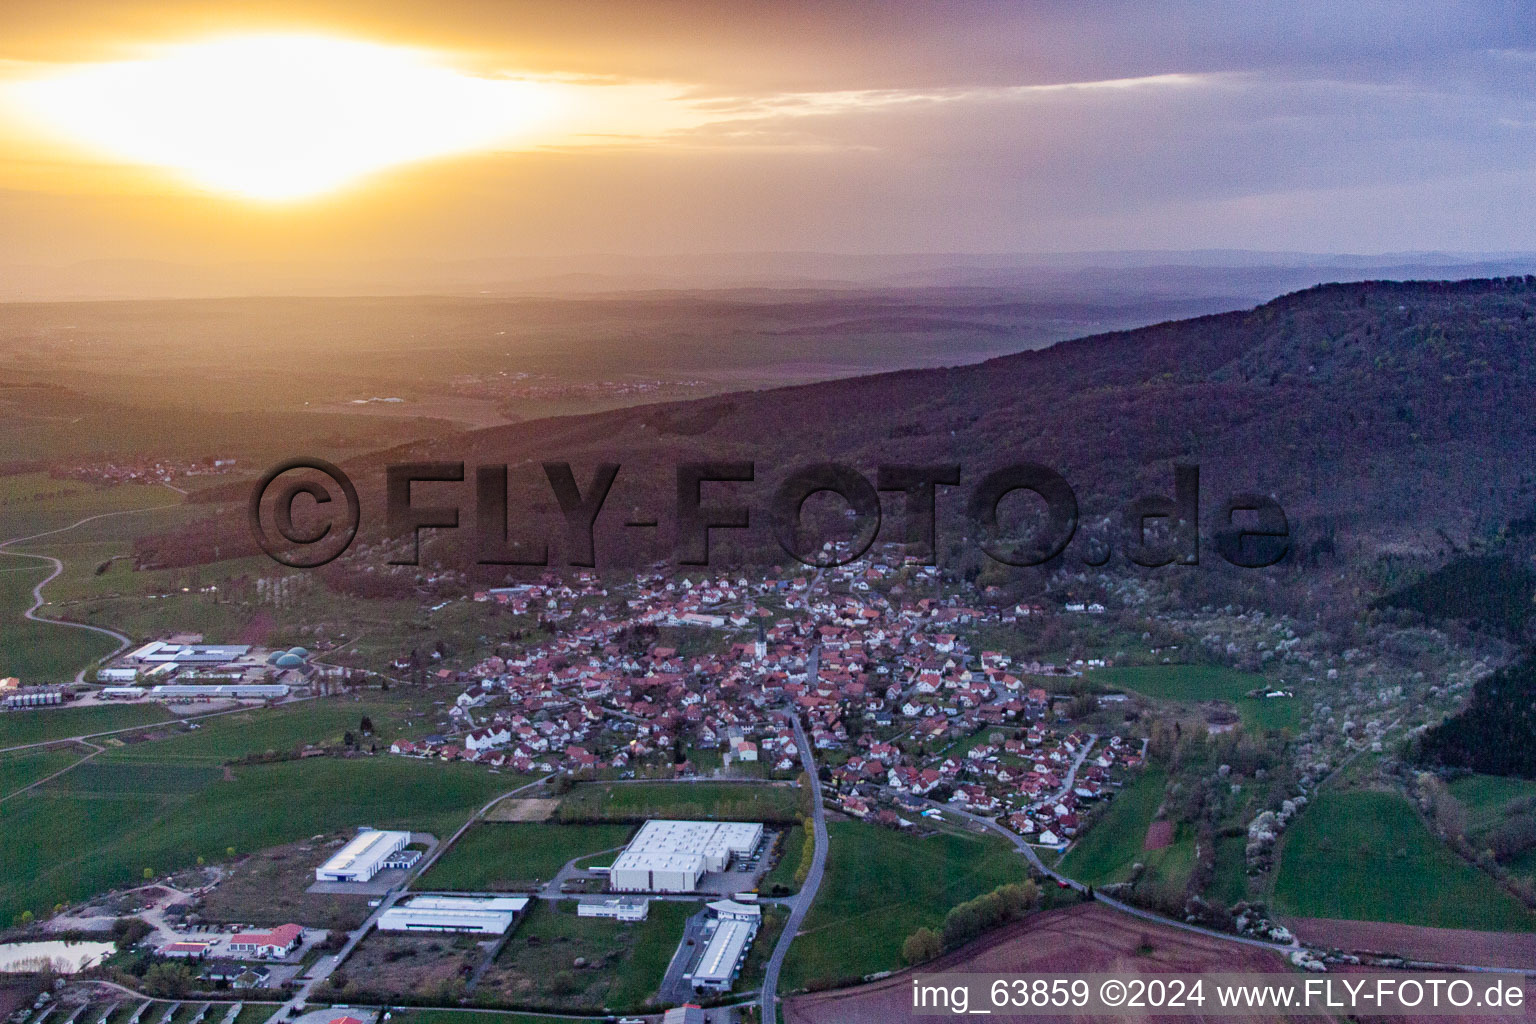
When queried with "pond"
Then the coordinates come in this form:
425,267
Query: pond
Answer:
65,957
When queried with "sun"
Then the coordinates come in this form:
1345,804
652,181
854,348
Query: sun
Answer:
283,117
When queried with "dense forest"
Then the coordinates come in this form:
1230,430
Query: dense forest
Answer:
1496,732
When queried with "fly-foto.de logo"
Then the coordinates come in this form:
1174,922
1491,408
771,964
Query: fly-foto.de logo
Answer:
1249,530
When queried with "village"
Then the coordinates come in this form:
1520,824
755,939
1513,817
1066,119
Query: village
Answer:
895,702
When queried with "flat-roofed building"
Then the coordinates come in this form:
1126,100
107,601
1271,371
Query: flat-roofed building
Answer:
219,691
735,926
362,857
479,915
671,856
621,908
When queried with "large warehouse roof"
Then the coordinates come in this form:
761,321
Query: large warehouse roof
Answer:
484,915
663,844
364,853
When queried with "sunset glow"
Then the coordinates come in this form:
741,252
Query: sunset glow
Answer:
283,117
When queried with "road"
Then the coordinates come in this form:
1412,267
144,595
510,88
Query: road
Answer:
807,896
58,567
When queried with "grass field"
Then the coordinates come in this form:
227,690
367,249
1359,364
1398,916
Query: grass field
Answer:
1193,683
1485,796
515,856
33,503
625,962
25,767
727,801
880,887
42,724
79,836
1106,852
1364,855
274,730
1229,884
791,847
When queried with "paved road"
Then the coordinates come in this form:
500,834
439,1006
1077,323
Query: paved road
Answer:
58,567
802,903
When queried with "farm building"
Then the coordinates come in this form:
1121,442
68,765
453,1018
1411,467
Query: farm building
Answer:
671,856
210,691
478,915
159,652
363,857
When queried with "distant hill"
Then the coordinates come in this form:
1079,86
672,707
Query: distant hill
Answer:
1388,418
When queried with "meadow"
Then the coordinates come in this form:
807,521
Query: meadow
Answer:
101,829
1365,855
725,801
1113,843
501,856
41,725
1188,684
260,732
880,887
24,767
628,960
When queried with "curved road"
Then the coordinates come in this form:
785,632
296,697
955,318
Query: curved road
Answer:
58,567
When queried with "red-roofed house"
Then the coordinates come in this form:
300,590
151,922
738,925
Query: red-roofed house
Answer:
278,942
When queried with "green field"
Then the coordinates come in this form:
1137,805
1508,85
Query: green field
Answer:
1107,850
791,848
627,961
1364,855
1193,683
42,724
1485,797
880,887
25,767
727,801
498,855
33,503
1229,884
283,729
37,652
78,836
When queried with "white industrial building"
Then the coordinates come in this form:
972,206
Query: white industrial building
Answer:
671,856
159,652
363,857
478,915
219,691
620,908
735,926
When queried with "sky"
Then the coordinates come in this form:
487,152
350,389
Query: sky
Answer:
456,130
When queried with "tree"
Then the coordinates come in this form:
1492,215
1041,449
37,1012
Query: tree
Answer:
168,979
149,874
921,946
